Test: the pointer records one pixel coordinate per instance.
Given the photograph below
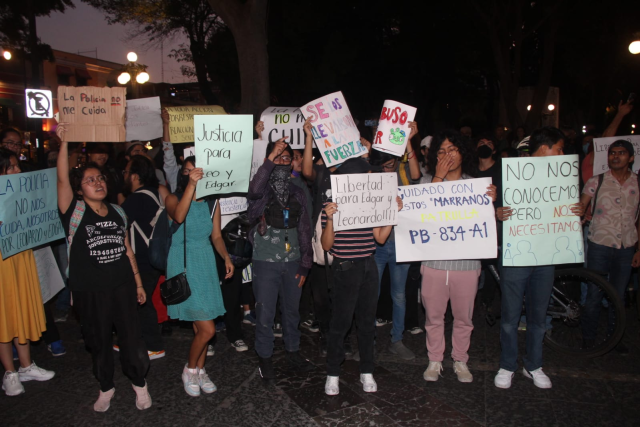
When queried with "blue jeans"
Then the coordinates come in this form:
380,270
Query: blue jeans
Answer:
616,263
536,284
386,254
271,279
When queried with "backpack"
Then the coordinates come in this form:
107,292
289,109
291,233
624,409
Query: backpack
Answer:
135,227
236,238
74,223
160,239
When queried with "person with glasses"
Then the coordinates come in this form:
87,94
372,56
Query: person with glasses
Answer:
454,281
408,173
282,255
103,277
11,139
22,317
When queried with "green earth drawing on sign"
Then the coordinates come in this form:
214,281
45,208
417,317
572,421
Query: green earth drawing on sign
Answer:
397,136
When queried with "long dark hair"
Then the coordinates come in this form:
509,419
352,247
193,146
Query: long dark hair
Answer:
143,167
77,175
5,160
467,156
180,187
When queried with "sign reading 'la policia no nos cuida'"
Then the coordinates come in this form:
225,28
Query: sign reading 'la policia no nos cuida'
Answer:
92,114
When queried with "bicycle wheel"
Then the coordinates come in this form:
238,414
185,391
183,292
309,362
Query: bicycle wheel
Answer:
566,311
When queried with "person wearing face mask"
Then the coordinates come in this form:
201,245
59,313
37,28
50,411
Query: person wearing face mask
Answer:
282,255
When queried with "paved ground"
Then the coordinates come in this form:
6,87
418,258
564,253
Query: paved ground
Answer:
602,391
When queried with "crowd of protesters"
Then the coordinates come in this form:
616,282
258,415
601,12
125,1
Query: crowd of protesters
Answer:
108,208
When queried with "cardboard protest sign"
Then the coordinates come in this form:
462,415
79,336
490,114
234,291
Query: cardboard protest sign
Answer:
48,272
393,128
364,200
601,152
143,119
92,114
334,131
28,211
283,121
181,120
231,205
446,221
224,148
542,230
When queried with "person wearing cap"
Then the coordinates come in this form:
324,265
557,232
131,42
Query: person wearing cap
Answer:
613,234
533,282
355,286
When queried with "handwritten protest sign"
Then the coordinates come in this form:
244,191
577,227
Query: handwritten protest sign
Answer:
446,221
364,200
393,128
601,152
224,148
247,274
181,120
542,230
230,205
283,121
28,211
334,131
143,119
48,272
92,114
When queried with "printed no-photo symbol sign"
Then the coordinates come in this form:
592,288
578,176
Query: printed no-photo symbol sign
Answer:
39,103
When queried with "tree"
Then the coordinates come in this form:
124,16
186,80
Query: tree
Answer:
160,19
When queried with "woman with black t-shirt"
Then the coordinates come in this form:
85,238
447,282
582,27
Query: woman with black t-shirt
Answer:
103,277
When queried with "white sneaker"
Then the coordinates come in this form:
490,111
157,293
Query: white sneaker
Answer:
332,386
369,385
433,371
104,400
503,378
210,350
462,371
206,385
35,373
11,384
240,345
191,381
143,399
540,379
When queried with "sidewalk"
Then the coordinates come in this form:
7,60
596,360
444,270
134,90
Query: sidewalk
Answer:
602,391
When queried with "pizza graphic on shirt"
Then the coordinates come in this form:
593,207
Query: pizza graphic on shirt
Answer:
90,229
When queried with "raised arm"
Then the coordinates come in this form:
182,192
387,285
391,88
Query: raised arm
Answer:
414,167
307,157
65,193
178,210
623,110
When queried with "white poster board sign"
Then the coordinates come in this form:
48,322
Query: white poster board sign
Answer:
48,272
446,221
334,131
283,121
143,119
393,128
224,149
542,229
231,205
364,200
601,152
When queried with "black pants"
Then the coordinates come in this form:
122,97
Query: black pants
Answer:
231,296
51,335
99,312
355,290
147,312
413,284
320,294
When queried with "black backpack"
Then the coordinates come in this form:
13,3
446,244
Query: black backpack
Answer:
236,238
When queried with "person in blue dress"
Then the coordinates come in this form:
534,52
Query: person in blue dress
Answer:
205,303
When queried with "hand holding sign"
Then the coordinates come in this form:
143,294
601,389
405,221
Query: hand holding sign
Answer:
394,129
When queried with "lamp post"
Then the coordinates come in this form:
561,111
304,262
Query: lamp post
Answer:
138,71
634,47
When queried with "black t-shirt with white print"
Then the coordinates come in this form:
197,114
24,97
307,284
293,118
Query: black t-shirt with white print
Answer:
98,259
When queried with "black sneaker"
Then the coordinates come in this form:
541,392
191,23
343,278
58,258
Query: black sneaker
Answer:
277,330
298,363
266,370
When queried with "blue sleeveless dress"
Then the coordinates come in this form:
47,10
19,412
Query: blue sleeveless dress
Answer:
205,302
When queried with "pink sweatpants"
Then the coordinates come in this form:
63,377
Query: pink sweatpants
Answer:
438,287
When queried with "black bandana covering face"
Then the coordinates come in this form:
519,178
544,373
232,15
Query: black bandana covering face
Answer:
279,182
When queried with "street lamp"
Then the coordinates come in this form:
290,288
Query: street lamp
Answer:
7,55
134,73
634,47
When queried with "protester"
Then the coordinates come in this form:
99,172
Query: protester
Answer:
200,226
408,173
533,285
22,318
355,284
11,139
454,281
612,236
103,277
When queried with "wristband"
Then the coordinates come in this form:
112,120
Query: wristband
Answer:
435,176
